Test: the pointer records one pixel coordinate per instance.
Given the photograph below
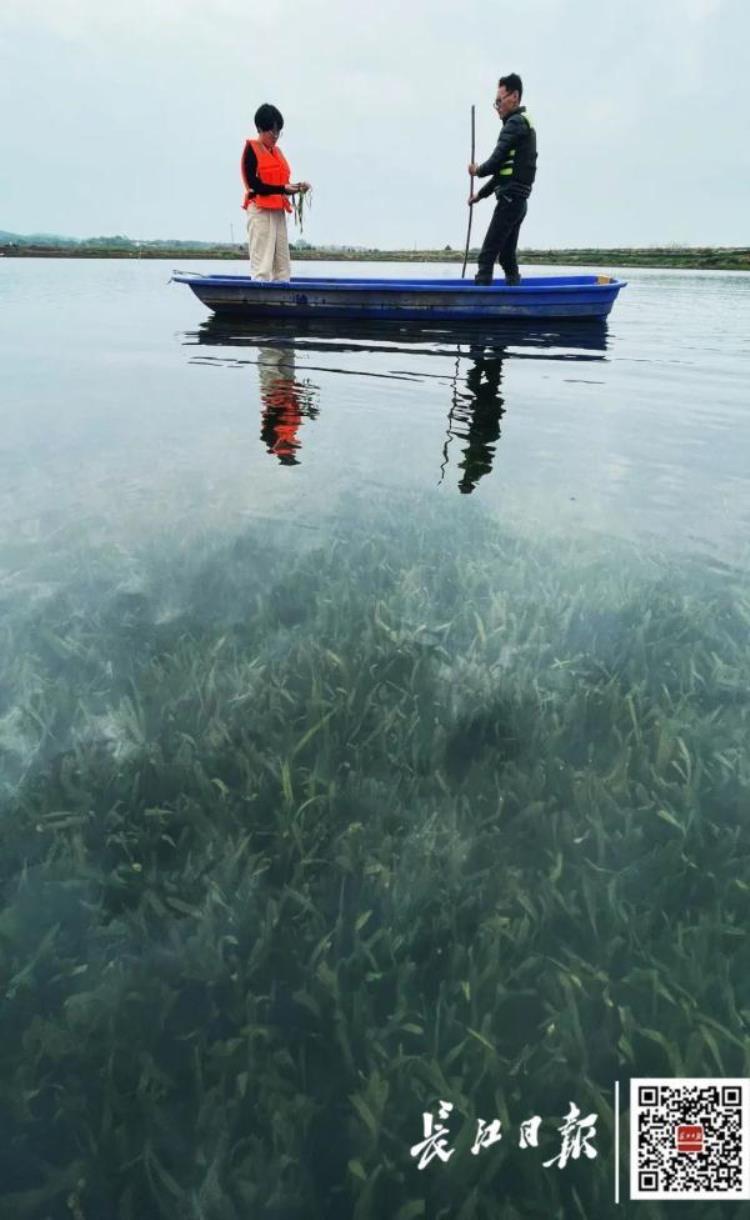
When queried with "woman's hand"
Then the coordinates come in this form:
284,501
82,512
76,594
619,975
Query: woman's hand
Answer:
472,200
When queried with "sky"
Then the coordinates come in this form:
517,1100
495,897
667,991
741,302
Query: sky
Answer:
130,118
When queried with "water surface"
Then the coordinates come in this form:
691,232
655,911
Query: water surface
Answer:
373,732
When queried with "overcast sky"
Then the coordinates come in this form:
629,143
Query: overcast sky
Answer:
130,117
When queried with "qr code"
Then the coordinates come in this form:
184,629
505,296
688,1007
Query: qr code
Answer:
689,1138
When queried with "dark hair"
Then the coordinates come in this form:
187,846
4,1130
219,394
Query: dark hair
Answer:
512,83
267,117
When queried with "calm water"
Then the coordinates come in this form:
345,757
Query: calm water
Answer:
118,391
373,733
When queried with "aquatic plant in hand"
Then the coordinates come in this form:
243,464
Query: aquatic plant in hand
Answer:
301,202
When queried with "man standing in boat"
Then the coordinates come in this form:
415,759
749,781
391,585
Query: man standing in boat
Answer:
266,174
511,170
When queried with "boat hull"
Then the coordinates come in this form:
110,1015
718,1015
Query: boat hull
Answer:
422,301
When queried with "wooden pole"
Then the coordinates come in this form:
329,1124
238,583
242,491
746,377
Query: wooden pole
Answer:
471,209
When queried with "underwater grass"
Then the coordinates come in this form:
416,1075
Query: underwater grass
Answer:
297,841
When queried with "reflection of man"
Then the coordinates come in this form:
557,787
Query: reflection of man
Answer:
482,410
286,402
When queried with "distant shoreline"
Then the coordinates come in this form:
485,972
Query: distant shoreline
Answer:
710,258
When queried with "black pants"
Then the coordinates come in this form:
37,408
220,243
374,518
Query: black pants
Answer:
501,241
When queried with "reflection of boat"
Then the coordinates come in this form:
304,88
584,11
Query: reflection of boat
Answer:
422,300
554,339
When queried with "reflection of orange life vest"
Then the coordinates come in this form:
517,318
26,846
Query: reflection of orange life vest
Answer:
273,170
281,419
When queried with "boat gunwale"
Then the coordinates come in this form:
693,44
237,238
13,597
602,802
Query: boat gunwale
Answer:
426,287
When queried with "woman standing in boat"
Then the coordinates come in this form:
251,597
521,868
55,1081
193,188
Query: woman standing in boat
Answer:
266,174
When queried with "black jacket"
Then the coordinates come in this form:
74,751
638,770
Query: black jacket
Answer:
511,167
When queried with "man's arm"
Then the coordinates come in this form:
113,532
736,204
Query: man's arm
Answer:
510,135
487,189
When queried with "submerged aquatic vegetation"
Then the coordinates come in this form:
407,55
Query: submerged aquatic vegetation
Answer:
296,842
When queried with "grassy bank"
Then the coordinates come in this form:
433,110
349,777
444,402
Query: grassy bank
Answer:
709,258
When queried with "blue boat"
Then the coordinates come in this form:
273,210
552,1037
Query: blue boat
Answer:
422,300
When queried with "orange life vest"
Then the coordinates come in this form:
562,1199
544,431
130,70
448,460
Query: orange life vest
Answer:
273,170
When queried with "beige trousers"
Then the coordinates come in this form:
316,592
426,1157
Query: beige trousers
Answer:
267,243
